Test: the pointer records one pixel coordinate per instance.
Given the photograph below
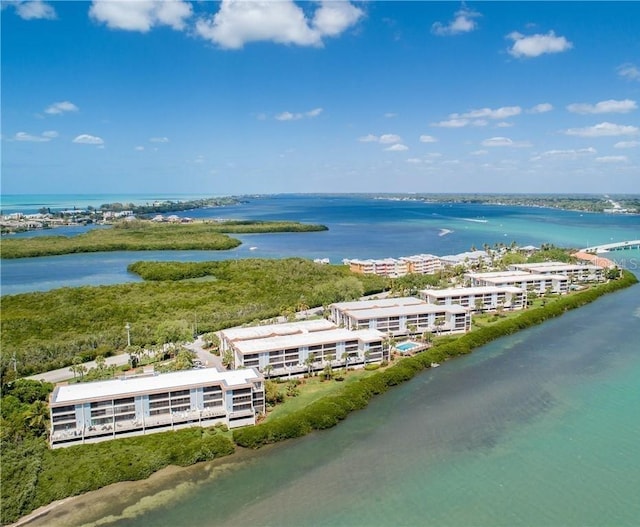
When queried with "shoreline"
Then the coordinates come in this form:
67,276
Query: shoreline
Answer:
258,437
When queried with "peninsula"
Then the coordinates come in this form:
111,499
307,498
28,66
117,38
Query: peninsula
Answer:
147,235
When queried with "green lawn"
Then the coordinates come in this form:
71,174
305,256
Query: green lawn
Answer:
311,390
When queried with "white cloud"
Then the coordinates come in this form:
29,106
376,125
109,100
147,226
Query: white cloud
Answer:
390,115
58,108
462,23
479,152
504,124
541,108
564,154
50,134
610,106
612,159
478,117
504,141
603,130
139,148
414,161
387,139
159,140
427,139
499,113
32,10
452,123
86,139
629,71
369,138
536,45
24,136
626,144
288,116
238,22
398,147
141,15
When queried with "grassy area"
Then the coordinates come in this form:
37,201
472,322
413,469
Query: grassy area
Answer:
311,389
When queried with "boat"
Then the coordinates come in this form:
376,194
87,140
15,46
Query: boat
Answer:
435,364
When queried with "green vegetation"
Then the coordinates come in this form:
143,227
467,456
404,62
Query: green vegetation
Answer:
47,330
580,202
329,411
33,475
148,236
162,207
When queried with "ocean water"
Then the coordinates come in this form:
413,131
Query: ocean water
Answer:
359,227
539,428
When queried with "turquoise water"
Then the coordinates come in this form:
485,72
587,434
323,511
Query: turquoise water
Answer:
406,346
537,429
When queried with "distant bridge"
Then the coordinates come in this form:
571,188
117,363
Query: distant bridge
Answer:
617,246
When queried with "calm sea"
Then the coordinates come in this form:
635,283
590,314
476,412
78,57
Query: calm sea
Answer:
359,227
540,428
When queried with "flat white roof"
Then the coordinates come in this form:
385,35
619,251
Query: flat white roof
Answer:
496,273
385,303
421,309
557,266
307,339
526,277
272,330
74,393
468,291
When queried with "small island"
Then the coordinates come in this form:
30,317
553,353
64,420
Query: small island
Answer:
147,235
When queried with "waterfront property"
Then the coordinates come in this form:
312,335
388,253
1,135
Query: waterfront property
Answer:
143,404
395,267
299,352
401,316
483,298
575,272
534,282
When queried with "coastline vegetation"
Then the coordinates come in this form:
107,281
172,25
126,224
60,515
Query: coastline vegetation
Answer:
34,475
329,411
140,235
49,330
576,202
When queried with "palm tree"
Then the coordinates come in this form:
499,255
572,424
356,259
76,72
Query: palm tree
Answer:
37,417
267,370
311,358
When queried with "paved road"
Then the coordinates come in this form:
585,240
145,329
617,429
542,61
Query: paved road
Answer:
64,374
208,360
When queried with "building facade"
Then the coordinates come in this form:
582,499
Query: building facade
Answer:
534,282
484,298
301,352
575,272
401,316
143,404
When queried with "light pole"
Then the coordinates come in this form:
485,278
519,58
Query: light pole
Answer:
128,328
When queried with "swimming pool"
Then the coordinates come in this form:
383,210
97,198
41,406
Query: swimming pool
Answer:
406,346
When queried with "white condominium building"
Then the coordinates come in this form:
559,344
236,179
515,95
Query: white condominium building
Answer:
231,335
98,411
296,353
483,298
538,283
577,272
340,312
401,316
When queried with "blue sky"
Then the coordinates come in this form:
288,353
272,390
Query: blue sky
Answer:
239,97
